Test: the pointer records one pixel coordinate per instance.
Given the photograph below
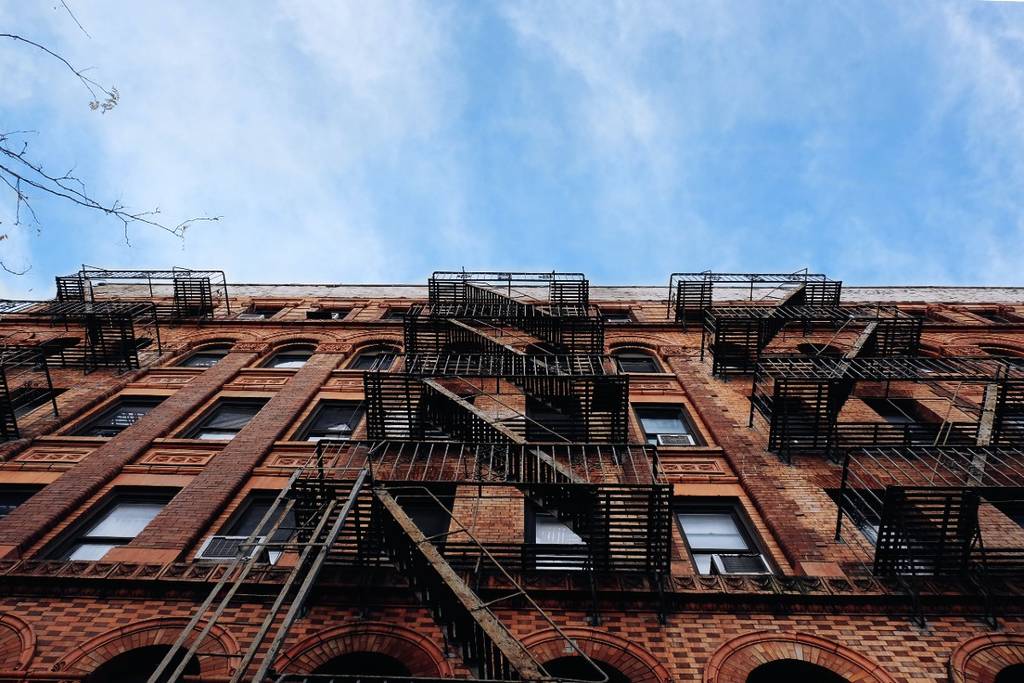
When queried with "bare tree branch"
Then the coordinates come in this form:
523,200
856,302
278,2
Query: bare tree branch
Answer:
74,18
103,105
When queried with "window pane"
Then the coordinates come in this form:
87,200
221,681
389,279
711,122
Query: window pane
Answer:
703,563
549,530
373,360
203,359
126,413
231,416
662,421
636,362
215,434
90,551
712,531
126,520
334,420
9,500
291,359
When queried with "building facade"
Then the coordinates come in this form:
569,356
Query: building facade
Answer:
511,476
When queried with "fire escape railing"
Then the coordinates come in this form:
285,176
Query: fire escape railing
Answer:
801,397
25,384
184,293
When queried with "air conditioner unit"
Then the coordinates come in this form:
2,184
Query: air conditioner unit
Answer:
740,563
676,440
228,548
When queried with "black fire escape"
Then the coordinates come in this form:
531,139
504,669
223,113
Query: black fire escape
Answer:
500,398
25,385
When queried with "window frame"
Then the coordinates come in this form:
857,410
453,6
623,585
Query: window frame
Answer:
375,366
303,433
637,353
328,313
221,350
14,490
734,508
288,351
573,558
230,528
105,414
620,313
199,424
685,418
77,534
395,314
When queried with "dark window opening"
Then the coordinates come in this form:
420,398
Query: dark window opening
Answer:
579,669
996,317
719,540
364,663
666,425
328,313
127,411
26,399
206,358
13,496
136,666
621,317
290,358
863,507
395,314
374,360
793,671
333,420
226,419
115,524
636,361
1011,674
431,516
259,313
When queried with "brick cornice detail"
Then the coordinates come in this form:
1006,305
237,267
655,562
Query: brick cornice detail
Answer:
636,663
250,347
334,347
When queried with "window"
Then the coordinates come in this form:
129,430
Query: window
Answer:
557,545
1000,352
333,420
205,358
115,525
553,419
13,496
27,399
995,316
719,541
127,411
825,350
431,516
374,360
290,358
636,361
666,425
228,543
258,313
225,420
328,313
620,317
395,314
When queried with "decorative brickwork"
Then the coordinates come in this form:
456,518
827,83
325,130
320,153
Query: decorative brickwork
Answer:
980,659
17,644
636,663
417,652
216,658
737,658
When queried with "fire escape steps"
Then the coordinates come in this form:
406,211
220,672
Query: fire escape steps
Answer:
488,648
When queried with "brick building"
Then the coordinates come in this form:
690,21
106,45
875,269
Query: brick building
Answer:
506,476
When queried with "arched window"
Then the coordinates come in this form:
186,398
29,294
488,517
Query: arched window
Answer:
579,669
365,663
374,359
136,666
292,357
633,360
1011,674
206,357
793,671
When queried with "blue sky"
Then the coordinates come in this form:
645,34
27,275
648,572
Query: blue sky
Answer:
880,142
